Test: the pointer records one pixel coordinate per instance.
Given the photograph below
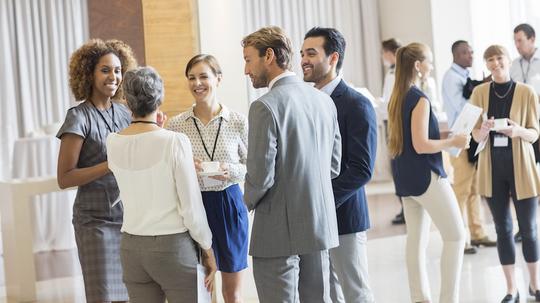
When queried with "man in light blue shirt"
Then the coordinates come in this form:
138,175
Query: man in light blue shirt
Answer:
455,79
456,89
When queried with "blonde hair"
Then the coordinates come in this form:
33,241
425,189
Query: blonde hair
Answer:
495,50
406,58
271,37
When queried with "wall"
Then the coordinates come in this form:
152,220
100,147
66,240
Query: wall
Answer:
451,22
221,28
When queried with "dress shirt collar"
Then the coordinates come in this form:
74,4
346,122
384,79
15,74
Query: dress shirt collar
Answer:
284,74
224,112
535,56
331,86
460,70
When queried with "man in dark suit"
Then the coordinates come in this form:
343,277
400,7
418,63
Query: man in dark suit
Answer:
322,57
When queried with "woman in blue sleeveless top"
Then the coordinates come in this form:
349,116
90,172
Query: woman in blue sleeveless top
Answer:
419,176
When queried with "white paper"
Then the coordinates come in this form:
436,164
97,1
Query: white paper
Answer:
464,124
203,295
482,144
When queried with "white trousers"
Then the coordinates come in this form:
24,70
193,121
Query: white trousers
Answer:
438,202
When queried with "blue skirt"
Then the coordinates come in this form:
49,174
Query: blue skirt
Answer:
228,220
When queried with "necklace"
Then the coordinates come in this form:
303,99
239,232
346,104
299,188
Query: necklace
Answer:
111,127
142,121
505,94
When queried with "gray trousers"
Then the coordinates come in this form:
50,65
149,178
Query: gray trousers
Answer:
349,280
159,267
293,279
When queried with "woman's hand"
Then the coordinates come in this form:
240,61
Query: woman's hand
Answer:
513,131
486,127
209,263
224,167
460,140
198,165
161,118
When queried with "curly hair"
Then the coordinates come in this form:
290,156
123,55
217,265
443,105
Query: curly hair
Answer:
84,60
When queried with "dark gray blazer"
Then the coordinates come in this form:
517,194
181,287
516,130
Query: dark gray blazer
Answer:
294,152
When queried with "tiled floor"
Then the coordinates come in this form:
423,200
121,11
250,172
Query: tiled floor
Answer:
481,281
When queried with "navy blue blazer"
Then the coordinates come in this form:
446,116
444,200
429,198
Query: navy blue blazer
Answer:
358,126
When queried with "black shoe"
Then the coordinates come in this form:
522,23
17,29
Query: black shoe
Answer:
399,219
535,294
517,237
485,241
470,250
511,299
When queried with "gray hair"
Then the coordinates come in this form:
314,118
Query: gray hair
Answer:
143,89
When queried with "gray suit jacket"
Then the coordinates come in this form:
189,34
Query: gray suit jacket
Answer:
294,152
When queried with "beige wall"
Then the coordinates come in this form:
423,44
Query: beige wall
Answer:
171,39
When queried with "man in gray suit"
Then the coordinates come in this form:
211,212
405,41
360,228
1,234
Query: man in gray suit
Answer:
294,152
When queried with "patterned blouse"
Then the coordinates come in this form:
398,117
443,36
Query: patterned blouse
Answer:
231,144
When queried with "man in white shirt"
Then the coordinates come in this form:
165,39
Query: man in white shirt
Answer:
455,93
526,69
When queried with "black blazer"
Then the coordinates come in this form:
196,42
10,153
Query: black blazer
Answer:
358,126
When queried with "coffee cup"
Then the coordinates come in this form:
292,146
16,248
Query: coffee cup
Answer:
210,166
500,123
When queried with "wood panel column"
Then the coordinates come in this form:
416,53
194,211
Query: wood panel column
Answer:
162,33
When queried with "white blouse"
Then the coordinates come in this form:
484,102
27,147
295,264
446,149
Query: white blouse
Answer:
158,185
231,145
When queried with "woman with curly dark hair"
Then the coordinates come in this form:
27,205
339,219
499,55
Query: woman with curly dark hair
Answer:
95,74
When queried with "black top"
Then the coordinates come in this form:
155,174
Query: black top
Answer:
500,102
412,171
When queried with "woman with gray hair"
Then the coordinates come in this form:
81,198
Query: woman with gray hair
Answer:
163,210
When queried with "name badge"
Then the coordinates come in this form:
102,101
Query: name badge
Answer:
500,141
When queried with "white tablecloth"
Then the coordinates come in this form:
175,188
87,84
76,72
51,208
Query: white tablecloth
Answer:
52,213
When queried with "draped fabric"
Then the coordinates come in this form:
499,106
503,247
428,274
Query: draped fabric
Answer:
358,21
36,39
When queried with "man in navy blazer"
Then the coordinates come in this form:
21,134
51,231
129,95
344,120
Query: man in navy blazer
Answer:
322,57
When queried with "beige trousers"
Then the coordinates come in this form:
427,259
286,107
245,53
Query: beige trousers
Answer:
437,203
465,188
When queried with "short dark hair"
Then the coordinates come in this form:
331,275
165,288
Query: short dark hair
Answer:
391,45
456,44
527,29
333,42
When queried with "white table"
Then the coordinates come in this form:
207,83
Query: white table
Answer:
51,213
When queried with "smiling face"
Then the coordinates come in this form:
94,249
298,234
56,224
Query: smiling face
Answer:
499,66
316,65
255,67
203,82
107,76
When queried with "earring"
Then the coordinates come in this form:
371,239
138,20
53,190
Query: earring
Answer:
419,75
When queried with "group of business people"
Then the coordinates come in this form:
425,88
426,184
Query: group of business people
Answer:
142,231
145,214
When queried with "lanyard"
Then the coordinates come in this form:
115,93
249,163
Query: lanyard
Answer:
111,128
524,74
202,140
